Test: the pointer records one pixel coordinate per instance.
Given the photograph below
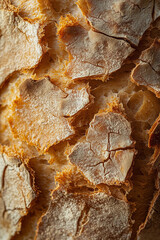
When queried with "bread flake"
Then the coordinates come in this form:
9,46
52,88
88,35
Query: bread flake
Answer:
20,46
16,195
147,72
91,54
85,216
106,155
120,19
42,115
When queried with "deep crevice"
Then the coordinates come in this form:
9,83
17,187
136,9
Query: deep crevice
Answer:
153,10
82,220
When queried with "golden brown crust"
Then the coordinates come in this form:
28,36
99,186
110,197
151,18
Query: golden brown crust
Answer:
80,216
146,73
108,18
20,38
91,54
106,155
16,194
40,116
55,118
30,9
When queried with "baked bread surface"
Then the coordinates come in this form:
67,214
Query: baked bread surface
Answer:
79,119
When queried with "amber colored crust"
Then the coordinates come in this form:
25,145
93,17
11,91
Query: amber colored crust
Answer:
17,181
146,72
69,66
81,215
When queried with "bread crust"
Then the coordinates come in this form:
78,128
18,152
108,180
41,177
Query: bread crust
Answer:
79,119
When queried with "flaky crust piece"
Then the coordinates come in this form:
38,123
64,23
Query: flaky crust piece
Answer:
106,155
85,216
41,116
20,46
16,194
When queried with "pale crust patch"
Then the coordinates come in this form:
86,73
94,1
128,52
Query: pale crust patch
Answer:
16,195
19,44
147,72
81,216
106,155
121,19
92,55
42,115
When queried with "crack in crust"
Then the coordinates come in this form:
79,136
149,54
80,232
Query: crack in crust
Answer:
16,195
80,216
119,18
147,72
42,116
107,153
91,54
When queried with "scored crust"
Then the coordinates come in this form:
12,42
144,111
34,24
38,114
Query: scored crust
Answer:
20,38
42,115
16,195
119,18
81,216
147,72
92,54
106,155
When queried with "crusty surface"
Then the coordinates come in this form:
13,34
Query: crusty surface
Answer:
20,38
147,72
44,181
137,106
29,8
92,54
80,216
119,18
107,153
40,115
16,195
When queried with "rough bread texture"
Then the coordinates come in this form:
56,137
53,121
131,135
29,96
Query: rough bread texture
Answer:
78,216
92,54
119,18
20,38
41,115
106,155
79,119
16,194
147,72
